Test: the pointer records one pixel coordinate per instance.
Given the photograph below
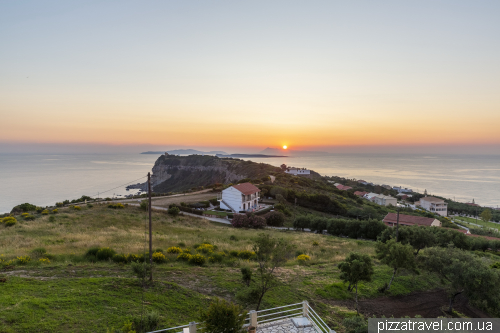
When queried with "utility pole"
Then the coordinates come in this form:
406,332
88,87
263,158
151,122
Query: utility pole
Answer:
397,227
150,230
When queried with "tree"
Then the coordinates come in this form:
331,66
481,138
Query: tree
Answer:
396,256
466,274
420,238
174,211
271,253
275,219
486,215
355,268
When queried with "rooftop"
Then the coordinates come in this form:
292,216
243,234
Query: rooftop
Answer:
408,219
247,188
432,199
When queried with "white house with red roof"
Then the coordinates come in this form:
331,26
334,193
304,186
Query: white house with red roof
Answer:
241,197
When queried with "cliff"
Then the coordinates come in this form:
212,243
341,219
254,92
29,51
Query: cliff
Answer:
178,173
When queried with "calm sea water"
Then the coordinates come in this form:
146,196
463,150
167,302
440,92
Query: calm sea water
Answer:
46,179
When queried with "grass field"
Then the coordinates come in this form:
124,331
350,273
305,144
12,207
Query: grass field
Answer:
472,222
71,294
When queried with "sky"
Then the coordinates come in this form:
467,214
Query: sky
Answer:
388,76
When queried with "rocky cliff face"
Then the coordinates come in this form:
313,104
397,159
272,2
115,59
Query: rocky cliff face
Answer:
178,173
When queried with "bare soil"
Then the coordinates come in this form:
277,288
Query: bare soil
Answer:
428,304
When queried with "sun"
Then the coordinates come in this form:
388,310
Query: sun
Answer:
285,147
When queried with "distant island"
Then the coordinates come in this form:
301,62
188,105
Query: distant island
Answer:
186,152
249,155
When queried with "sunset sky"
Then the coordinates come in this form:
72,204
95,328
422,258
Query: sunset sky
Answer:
246,75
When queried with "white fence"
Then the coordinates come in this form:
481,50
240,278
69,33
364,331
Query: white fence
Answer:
255,318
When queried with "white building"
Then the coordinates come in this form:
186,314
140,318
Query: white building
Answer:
241,197
370,196
298,171
402,190
433,204
384,200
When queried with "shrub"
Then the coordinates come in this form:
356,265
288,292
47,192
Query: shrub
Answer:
144,205
496,265
52,219
222,316
240,221
184,256
135,257
181,244
76,207
159,257
197,259
45,212
141,269
25,214
355,325
275,219
59,204
39,252
39,209
92,252
30,218
246,274
216,257
147,323
303,258
105,253
120,258
234,253
187,250
55,211
9,221
25,207
174,211
245,254
23,260
256,222
205,248
315,243
116,206
44,260
233,238
174,249
89,205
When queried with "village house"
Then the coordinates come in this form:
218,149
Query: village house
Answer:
342,187
241,197
408,220
433,204
360,194
402,190
384,200
370,195
298,171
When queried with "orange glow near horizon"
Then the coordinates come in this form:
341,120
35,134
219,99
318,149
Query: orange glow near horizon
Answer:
285,147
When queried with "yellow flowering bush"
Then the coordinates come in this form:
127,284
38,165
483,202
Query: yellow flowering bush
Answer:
303,258
9,221
44,260
25,214
315,243
187,250
55,211
174,249
184,256
197,259
159,257
245,254
45,212
205,248
23,260
133,257
76,207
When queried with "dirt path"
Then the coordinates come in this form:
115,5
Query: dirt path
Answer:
428,304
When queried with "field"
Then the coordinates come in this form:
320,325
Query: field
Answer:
72,294
473,223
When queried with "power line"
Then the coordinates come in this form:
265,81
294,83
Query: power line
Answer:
99,193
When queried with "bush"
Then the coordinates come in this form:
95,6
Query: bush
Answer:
39,252
496,265
135,257
45,212
240,221
315,243
174,211
233,238
216,257
116,206
44,260
303,258
30,218
120,258
147,323
59,204
105,254
205,248
184,256
234,253
245,254
52,219
256,222
246,274
197,259
9,221
141,269
76,207
275,219
23,260
25,207
144,205
89,205
222,316
92,252
174,249
55,211
159,257
355,325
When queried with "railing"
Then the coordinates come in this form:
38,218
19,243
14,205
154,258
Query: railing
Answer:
256,318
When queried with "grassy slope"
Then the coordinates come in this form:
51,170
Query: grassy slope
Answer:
73,295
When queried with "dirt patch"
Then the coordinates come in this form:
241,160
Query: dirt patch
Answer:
428,304
189,198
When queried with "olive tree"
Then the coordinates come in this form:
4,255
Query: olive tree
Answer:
355,268
396,256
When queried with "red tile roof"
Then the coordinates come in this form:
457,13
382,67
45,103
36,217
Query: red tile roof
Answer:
343,188
247,188
408,219
360,194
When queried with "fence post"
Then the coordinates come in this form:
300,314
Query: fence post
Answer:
305,306
192,327
253,318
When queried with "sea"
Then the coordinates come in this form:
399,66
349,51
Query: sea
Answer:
44,180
